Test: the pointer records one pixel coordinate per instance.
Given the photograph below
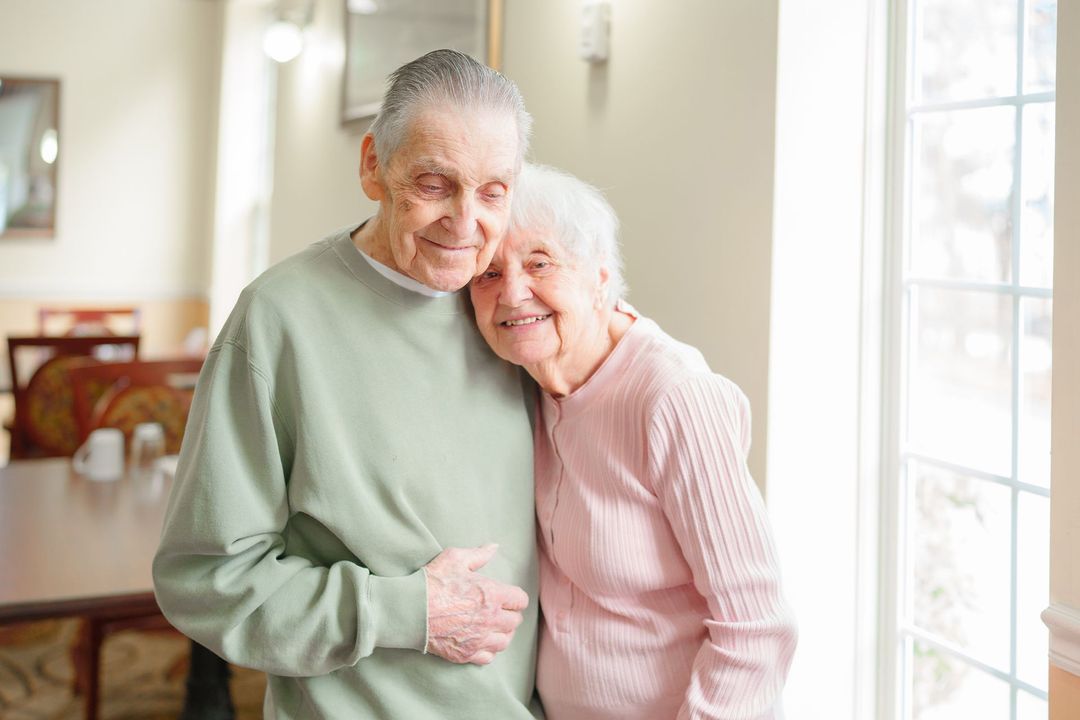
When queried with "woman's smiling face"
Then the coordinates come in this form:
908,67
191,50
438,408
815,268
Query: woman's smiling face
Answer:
535,304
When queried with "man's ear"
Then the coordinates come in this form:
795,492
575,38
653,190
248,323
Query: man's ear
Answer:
370,170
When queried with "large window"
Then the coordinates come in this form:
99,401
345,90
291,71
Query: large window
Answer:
972,308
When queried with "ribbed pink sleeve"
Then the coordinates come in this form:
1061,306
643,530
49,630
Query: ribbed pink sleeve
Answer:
699,439
660,587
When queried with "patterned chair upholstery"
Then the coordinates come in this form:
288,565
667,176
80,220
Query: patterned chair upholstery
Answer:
149,391
45,423
50,406
133,405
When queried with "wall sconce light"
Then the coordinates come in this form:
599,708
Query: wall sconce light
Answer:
363,7
283,41
284,38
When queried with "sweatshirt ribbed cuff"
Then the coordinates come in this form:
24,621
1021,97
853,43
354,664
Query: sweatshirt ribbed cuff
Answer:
399,610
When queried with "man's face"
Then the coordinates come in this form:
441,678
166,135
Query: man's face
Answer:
445,194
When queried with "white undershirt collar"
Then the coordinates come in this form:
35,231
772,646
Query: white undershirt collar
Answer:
401,280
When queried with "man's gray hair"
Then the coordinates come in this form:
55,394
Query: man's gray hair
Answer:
446,81
577,217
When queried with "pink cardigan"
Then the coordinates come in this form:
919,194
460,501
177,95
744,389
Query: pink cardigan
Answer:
659,581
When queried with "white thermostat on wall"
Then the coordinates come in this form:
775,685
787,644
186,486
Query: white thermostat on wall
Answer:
595,30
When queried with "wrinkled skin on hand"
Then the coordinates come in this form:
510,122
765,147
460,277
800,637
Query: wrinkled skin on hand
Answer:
470,617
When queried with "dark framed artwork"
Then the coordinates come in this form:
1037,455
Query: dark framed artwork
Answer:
29,154
382,35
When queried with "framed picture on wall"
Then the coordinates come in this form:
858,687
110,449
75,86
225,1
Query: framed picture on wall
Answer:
382,35
29,151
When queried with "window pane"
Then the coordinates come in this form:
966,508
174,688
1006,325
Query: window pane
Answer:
1037,183
1029,707
960,394
1035,373
961,194
1032,588
961,531
946,688
1040,45
964,49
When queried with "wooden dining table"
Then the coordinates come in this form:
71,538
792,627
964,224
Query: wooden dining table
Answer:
70,546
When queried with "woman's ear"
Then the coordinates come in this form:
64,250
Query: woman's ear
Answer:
602,287
370,170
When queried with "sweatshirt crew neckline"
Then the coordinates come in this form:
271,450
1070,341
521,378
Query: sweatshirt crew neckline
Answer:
455,303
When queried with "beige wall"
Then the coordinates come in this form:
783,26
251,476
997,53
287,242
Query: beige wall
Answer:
138,97
1065,572
316,186
677,129
1065,457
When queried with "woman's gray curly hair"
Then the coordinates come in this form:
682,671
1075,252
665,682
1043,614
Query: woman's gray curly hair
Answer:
581,221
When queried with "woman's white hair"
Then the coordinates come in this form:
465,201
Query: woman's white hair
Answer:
576,214
447,81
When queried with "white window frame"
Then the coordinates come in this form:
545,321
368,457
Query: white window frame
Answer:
897,166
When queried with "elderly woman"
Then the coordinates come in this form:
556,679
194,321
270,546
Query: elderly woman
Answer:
659,581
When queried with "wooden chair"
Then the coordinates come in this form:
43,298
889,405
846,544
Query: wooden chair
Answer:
45,424
122,395
76,322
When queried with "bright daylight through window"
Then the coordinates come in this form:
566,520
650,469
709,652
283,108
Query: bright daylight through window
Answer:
973,387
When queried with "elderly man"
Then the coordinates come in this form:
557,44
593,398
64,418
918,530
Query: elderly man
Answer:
355,453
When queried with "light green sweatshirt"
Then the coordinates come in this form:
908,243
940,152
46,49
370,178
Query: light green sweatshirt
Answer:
344,432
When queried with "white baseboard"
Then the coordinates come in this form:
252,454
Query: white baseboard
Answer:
1064,624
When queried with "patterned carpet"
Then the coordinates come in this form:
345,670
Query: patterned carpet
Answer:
143,675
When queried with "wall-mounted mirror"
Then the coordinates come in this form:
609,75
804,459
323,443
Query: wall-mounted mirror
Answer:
29,148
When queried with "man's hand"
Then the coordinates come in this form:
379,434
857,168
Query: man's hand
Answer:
470,617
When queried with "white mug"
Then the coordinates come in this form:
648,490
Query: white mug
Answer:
102,455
